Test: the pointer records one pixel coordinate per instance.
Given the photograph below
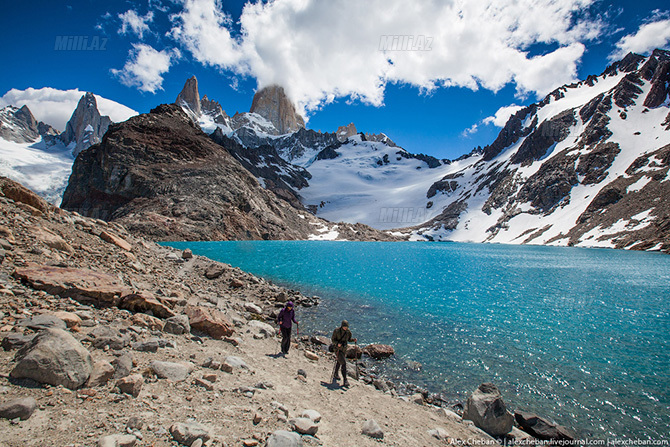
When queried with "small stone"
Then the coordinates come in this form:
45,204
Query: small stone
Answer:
311,356
283,438
249,443
303,373
102,372
176,372
257,418
135,423
417,398
147,321
117,441
304,426
146,346
312,414
372,429
236,283
123,365
187,254
131,385
177,325
281,407
187,433
72,320
235,362
253,308
210,377
439,433
204,384
18,408
214,271
39,322
197,443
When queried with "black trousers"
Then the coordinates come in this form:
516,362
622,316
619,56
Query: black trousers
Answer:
285,339
341,364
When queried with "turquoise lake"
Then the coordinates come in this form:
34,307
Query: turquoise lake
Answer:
581,336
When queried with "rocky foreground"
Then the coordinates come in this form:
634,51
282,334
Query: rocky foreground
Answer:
111,340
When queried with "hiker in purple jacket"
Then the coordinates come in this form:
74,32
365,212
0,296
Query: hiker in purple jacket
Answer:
285,320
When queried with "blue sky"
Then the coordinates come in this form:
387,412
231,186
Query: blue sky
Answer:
327,56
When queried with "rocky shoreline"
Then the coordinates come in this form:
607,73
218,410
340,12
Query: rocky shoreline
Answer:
109,339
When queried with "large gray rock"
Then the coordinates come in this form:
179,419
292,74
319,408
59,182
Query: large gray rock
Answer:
283,438
485,407
235,362
176,372
177,325
131,384
372,429
18,408
188,432
264,329
102,372
542,428
56,358
39,322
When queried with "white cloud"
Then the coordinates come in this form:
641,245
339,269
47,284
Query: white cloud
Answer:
647,38
55,107
502,115
131,21
321,50
470,130
145,67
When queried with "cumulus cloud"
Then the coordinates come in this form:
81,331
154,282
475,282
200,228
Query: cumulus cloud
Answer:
323,50
502,115
145,67
135,23
648,37
55,107
470,130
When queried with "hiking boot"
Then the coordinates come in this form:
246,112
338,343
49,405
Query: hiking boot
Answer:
345,384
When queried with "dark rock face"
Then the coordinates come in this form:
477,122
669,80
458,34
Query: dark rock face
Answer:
328,153
280,177
660,86
511,133
594,165
162,177
272,104
547,134
448,184
542,428
86,126
552,183
431,161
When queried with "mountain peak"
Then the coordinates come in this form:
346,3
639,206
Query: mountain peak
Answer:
272,104
189,96
86,126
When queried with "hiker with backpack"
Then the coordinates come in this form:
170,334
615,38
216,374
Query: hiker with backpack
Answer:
285,320
341,338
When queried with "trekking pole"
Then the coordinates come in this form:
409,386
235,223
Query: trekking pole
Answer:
356,358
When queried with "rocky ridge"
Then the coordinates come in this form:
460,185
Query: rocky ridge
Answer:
162,177
170,347
586,166
20,126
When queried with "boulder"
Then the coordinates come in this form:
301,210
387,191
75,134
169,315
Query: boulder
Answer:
485,407
39,322
119,440
102,372
187,254
542,428
187,433
50,239
304,426
214,271
86,286
116,240
354,352
439,434
147,321
210,321
320,340
258,327
377,351
177,325
231,363
283,438
372,429
176,372
146,345
54,357
131,384
15,340
18,408
146,303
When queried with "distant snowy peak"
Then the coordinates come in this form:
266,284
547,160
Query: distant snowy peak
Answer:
208,114
20,126
86,126
586,166
189,97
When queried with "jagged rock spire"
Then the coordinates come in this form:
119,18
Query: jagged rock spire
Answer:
86,126
272,104
190,97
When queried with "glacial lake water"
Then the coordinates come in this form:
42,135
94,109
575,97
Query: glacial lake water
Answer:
581,336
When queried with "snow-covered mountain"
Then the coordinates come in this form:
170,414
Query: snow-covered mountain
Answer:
39,156
587,166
